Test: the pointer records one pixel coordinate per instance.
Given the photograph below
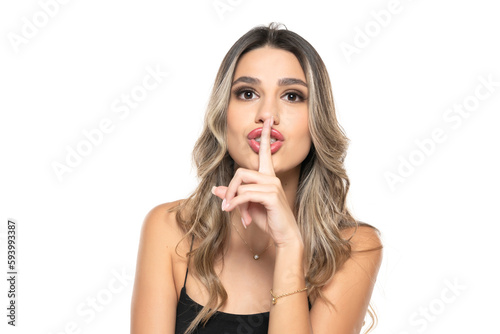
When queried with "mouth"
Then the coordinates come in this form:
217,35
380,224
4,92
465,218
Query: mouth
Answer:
254,140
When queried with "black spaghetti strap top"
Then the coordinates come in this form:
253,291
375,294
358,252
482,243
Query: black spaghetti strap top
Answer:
220,322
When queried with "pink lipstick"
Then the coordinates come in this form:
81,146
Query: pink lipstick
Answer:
256,133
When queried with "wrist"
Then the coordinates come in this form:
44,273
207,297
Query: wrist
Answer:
294,243
289,270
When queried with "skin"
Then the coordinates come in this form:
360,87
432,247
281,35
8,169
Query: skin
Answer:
258,174
262,190
259,194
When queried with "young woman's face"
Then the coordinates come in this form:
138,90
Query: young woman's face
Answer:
269,82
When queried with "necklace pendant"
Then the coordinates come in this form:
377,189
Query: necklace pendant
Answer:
255,257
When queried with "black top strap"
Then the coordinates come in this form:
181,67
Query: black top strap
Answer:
185,278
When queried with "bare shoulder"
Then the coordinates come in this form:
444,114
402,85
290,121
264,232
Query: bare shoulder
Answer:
154,297
351,286
161,222
364,238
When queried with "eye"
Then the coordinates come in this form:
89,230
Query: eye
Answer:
294,97
245,94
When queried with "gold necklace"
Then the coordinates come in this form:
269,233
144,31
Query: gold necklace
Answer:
255,255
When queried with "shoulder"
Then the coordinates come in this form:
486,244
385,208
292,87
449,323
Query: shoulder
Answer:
366,250
351,286
363,238
154,297
161,238
160,233
162,214
161,223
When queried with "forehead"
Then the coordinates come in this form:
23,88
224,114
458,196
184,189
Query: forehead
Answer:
269,63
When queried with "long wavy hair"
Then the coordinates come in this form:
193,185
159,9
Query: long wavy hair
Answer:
320,205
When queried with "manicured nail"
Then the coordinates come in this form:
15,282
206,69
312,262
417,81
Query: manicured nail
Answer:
243,222
223,204
213,189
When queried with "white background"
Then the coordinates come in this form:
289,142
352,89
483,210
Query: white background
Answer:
439,223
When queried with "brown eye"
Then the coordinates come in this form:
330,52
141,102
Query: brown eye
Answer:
293,97
245,94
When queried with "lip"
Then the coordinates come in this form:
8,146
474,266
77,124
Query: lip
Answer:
255,133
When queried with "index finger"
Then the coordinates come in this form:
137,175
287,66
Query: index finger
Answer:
265,159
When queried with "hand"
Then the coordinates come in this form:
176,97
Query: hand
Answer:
260,196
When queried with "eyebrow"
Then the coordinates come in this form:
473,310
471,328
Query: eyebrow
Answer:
281,82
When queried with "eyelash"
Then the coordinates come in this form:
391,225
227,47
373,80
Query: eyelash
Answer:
242,90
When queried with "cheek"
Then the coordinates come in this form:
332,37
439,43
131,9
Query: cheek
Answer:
235,133
305,136
231,118
298,125
233,123
305,141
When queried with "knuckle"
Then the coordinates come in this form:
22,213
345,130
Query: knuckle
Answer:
277,182
240,190
276,195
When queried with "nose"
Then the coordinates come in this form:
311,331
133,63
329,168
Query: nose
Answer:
267,108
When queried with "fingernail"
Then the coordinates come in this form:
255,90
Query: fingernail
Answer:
272,120
243,222
213,190
223,204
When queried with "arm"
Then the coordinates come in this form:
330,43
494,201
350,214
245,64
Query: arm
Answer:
154,298
350,288
290,314
262,201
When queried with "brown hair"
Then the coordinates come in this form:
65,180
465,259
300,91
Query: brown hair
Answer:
323,182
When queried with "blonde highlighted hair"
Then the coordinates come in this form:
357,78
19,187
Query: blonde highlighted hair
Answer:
320,205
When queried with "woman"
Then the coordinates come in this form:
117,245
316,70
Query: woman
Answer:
266,237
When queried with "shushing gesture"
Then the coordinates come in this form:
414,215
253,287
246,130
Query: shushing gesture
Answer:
260,197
